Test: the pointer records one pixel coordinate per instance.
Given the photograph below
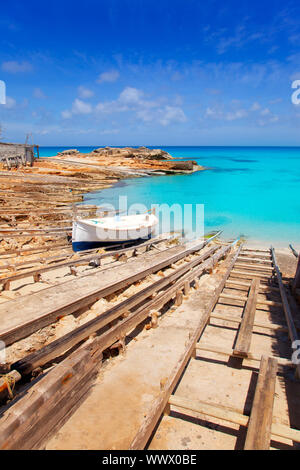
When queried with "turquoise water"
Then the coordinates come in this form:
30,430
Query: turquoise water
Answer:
249,191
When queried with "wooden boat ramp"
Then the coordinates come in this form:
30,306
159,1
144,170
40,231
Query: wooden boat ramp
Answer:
167,345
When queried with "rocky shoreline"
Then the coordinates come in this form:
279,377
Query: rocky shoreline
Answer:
39,202
137,160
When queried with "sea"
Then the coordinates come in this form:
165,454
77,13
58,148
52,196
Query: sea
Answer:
251,192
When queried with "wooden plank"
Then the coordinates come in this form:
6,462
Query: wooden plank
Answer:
260,422
254,267
141,438
295,253
253,250
233,319
257,256
249,275
32,417
261,261
74,262
282,361
296,282
41,249
287,312
36,233
233,283
230,414
214,410
243,341
244,299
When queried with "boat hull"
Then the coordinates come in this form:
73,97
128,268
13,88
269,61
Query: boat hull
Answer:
93,233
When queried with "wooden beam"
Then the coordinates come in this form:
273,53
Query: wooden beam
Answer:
243,341
26,251
254,266
84,257
257,260
229,414
233,283
257,251
255,256
295,253
296,282
282,361
260,423
249,275
287,311
244,299
233,319
36,414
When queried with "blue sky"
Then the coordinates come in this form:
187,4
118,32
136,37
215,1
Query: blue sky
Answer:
140,72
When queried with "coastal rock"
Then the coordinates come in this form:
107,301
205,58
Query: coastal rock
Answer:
130,152
68,152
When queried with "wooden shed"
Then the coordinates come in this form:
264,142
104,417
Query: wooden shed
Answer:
14,155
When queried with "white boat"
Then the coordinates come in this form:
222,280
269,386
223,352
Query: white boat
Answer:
105,231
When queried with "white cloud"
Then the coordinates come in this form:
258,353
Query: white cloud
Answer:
109,131
66,114
216,113
109,76
131,99
265,112
172,114
146,115
275,101
255,107
85,92
80,107
39,94
213,113
13,66
239,114
10,102
131,96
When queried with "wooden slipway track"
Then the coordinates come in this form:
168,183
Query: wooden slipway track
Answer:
204,358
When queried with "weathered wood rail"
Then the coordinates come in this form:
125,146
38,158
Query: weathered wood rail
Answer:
58,301
81,258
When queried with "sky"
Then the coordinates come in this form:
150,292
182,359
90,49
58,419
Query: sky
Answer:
145,72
